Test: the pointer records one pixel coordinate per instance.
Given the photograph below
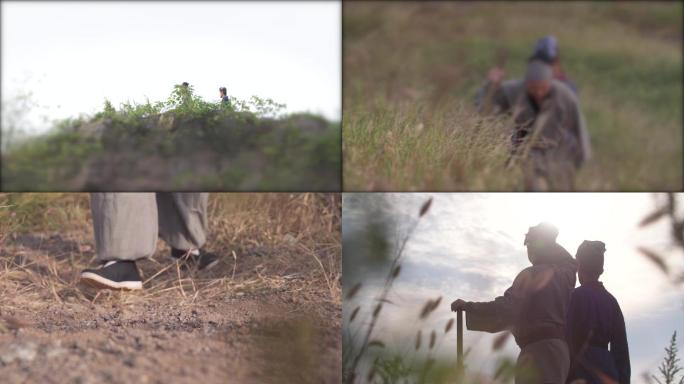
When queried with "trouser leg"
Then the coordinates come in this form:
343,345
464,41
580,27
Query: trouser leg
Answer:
125,225
183,219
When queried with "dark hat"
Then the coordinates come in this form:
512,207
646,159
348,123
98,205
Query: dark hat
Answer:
542,231
590,255
546,49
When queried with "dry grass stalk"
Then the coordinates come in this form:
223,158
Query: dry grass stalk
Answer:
392,274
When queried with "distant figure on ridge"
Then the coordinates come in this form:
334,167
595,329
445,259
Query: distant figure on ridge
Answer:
224,97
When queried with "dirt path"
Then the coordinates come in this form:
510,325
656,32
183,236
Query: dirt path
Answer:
254,318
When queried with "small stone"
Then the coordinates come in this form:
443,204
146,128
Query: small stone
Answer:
129,361
22,352
289,239
54,351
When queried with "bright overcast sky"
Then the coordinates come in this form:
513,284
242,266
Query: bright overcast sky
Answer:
74,54
470,246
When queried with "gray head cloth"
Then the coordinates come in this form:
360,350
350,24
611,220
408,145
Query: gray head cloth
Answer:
538,70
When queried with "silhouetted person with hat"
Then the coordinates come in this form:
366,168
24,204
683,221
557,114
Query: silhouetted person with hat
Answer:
595,326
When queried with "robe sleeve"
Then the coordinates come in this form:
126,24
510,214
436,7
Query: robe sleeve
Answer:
619,349
498,315
492,99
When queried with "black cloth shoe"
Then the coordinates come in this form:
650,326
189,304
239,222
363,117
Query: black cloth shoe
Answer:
198,258
115,274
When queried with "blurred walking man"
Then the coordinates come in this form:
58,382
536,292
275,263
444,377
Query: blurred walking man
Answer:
594,323
498,96
534,309
127,225
550,138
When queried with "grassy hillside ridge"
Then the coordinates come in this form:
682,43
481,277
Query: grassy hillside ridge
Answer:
425,62
183,143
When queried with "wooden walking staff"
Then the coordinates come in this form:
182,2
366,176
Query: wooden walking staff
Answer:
459,343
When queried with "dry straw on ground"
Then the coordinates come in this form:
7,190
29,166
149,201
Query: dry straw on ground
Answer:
268,312
294,235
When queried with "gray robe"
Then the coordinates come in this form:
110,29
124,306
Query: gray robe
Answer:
127,225
559,119
561,144
501,99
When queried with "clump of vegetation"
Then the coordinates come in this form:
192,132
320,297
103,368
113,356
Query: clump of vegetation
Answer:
669,368
185,143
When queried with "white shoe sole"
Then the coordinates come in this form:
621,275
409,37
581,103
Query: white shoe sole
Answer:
96,281
206,267
210,265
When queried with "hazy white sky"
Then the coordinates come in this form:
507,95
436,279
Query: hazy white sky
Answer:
74,54
470,246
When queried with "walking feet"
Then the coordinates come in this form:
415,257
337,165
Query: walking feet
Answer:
196,258
114,274
124,275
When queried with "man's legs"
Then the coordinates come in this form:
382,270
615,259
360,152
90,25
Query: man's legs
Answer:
183,225
125,226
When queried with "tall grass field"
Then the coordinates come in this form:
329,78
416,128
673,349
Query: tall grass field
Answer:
411,72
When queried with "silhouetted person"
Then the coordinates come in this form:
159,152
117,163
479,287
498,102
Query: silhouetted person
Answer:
224,97
534,309
595,326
